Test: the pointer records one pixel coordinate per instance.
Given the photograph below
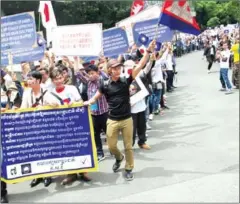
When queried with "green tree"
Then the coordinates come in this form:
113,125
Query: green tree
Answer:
207,12
213,22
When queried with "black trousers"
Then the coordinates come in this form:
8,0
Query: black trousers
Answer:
99,123
170,75
3,188
210,61
162,93
139,127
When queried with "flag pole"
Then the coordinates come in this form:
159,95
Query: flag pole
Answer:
156,32
158,24
39,21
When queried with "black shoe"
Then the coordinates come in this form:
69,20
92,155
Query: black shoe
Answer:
129,175
174,87
166,107
35,182
170,90
47,181
4,199
117,164
84,177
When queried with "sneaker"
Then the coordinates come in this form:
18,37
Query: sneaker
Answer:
101,158
129,175
145,146
103,135
148,126
146,135
47,181
208,71
156,112
117,164
223,89
151,117
229,92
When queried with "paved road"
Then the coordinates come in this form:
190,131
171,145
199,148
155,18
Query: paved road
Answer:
194,156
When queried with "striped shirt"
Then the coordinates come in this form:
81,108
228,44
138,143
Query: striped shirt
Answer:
93,87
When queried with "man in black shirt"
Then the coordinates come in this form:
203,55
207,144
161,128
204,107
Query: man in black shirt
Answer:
116,90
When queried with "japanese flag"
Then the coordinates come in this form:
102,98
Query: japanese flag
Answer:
48,18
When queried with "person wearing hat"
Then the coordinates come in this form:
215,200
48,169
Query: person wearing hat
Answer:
116,91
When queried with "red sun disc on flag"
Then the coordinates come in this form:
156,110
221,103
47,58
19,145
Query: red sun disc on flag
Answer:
46,12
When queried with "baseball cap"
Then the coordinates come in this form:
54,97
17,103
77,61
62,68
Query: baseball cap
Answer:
113,63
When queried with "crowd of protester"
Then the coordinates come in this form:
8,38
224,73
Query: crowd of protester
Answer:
222,46
106,85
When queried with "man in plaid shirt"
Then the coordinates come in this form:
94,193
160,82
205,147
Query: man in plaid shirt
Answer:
99,110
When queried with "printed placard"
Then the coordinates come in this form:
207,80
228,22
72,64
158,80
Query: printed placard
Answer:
150,29
18,31
115,41
47,142
78,40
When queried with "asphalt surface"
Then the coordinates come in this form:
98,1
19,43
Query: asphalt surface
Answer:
194,155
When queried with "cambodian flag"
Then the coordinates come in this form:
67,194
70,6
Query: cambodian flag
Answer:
177,16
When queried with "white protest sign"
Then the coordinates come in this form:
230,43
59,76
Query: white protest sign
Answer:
78,40
140,91
146,14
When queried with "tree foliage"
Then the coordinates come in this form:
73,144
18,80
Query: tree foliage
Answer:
213,13
76,12
208,13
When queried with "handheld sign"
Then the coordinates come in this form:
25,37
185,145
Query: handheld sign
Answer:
115,41
78,40
148,28
47,142
18,31
18,56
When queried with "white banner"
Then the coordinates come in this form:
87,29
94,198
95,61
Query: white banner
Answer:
78,40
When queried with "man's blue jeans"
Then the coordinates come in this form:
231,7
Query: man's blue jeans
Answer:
155,99
224,75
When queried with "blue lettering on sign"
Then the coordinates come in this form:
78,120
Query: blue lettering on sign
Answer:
18,31
148,28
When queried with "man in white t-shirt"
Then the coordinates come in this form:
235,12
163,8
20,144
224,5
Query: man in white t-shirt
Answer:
224,57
